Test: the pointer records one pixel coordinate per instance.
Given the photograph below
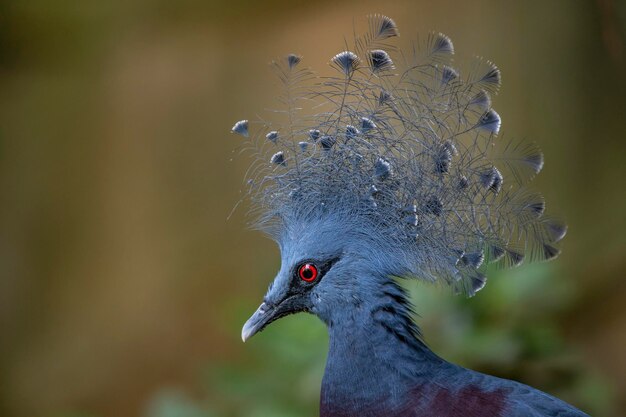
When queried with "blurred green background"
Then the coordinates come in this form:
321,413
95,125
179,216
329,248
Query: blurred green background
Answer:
123,286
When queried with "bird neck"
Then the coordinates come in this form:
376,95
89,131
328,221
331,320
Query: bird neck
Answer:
375,353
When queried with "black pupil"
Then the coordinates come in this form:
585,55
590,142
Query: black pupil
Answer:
307,272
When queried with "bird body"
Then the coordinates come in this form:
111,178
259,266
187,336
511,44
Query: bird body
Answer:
376,367
399,174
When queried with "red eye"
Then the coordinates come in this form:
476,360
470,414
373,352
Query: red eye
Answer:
308,272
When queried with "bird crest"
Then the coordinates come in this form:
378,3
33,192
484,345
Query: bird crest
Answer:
402,149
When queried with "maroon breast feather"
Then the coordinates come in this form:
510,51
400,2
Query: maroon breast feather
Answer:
428,400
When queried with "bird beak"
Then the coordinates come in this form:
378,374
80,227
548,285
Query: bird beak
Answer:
268,312
263,316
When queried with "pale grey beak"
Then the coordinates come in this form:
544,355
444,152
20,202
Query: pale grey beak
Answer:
285,304
261,317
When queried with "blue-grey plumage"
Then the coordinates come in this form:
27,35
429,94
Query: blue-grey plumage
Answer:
272,136
241,127
399,175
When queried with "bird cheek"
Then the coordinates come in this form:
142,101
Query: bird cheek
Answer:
316,301
322,304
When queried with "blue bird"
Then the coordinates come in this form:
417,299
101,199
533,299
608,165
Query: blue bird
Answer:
393,169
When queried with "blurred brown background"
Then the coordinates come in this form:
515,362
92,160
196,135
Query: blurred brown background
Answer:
123,285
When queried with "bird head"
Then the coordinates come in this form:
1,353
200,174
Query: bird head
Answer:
400,173
326,269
